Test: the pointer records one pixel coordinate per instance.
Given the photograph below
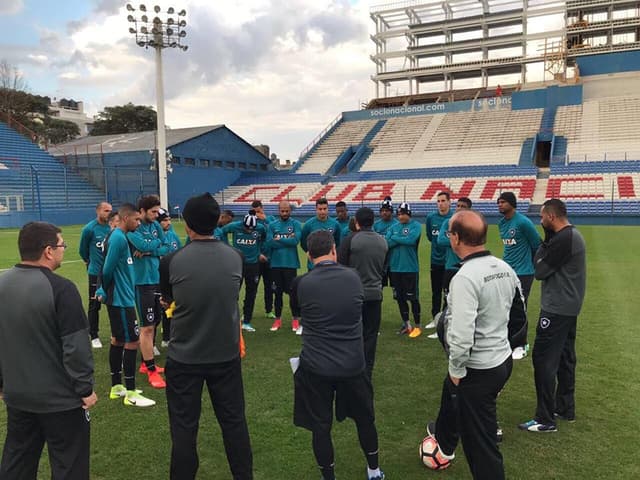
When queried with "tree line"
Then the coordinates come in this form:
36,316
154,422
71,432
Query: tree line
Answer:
33,111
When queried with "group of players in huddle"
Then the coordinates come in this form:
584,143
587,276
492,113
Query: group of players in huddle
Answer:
123,251
141,235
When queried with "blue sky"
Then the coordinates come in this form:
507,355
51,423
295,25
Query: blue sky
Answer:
23,29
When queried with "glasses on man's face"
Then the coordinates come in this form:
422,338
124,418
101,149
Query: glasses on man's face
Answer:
62,245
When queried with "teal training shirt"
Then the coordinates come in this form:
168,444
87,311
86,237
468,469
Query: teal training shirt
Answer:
118,275
403,240
219,235
91,238
381,226
313,225
171,240
248,242
264,246
282,239
521,241
344,228
149,240
451,259
432,226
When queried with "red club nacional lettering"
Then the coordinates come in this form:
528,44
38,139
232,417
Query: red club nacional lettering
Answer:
557,185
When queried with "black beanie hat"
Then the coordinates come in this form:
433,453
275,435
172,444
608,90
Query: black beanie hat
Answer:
201,214
405,208
162,214
250,220
509,197
386,204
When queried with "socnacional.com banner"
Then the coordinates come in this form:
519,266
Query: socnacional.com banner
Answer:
427,108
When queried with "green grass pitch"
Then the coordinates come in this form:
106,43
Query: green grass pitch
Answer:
135,443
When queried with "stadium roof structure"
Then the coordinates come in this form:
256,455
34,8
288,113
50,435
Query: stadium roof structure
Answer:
133,142
439,37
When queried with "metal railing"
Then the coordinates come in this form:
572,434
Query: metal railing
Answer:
317,139
34,188
19,127
608,156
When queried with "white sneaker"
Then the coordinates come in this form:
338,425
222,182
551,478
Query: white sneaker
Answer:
433,335
164,344
134,399
432,324
96,343
156,352
519,353
299,330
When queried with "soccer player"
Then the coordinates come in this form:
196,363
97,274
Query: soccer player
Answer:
46,366
148,244
381,226
248,237
520,239
226,217
320,222
366,251
117,291
484,294
560,263
342,217
331,363
283,236
265,266
451,259
203,279
90,250
386,219
113,221
403,239
172,241
438,254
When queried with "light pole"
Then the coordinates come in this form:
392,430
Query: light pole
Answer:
159,33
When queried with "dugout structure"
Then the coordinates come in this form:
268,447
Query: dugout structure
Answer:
440,42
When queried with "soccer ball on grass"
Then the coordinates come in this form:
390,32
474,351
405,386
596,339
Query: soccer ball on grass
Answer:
430,454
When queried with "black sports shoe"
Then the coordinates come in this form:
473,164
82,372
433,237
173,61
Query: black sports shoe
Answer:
566,418
535,426
431,428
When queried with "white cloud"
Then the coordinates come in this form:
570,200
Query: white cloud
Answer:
274,71
40,59
11,7
69,76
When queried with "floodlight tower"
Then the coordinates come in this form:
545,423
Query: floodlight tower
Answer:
161,31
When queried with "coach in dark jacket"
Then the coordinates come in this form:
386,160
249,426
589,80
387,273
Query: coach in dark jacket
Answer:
365,251
332,358
560,264
204,279
46,367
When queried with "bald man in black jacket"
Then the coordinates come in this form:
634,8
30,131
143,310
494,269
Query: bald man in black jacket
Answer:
332,357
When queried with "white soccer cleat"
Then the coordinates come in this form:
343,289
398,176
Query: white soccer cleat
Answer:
156,352
96,343
519,353
134,399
